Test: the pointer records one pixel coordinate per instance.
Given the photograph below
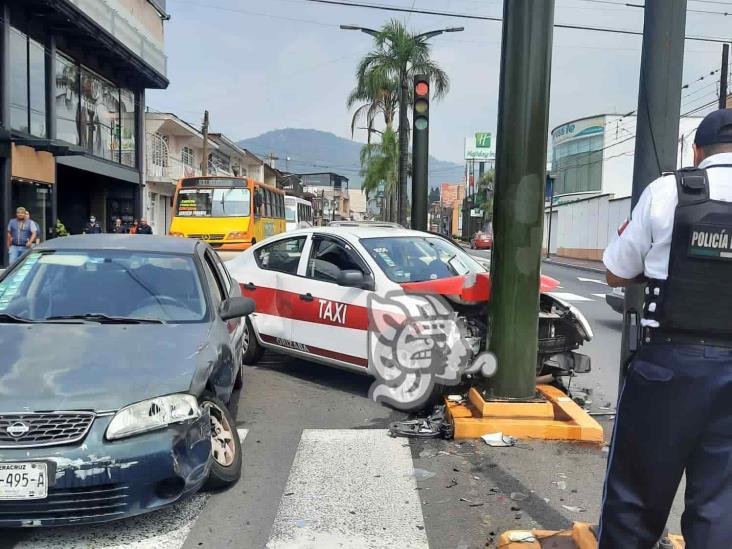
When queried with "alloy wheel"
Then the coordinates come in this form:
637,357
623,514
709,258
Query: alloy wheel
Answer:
222,436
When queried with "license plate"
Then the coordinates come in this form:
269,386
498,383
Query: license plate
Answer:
23,481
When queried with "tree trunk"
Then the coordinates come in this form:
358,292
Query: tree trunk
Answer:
403,149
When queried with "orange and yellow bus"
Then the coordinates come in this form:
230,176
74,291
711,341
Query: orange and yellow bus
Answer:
230,213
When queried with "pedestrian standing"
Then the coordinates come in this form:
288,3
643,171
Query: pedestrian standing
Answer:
119,228
21,235
144,228
92,227
674,414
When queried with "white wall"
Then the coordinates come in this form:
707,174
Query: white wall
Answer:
584,228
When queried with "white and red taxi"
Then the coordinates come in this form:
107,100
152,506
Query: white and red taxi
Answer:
312,286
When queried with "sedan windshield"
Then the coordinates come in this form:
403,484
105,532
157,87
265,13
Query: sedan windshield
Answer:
103,286
234,202
417,258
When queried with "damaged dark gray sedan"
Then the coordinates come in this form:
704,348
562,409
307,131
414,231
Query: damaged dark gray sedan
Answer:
120,354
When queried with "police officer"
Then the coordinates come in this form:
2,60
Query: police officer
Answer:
675,408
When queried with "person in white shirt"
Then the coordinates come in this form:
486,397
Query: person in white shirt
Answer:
674,413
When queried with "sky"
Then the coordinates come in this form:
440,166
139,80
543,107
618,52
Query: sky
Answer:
260,65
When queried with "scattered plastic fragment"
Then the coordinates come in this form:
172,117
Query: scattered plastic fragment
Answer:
423,474
455,398
433,426
300,523
562,485
573,509
518,496
498,440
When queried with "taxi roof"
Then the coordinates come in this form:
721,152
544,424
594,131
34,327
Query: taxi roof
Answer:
128,242
362,231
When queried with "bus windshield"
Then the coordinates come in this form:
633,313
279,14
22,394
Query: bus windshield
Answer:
213,202
291,212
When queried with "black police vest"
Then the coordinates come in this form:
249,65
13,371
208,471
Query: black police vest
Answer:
696,298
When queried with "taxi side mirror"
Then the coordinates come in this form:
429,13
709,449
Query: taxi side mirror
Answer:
236,307
351,278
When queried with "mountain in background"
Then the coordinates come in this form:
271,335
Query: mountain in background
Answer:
312,151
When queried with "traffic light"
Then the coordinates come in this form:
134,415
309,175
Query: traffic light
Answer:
420,151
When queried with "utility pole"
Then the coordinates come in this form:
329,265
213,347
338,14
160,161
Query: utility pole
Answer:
403,147
204,131
723,77
656,139
271,157
523,120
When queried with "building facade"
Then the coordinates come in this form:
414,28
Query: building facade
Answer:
332,190
73,76
174,149
594,155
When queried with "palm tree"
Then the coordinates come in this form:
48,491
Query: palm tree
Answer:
384,74
378,97
380,167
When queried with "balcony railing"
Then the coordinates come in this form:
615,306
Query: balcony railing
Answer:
110,15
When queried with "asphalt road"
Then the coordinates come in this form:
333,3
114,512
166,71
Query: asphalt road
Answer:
321,472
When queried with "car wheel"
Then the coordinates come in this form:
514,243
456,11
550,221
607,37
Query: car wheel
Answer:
226,455
251,349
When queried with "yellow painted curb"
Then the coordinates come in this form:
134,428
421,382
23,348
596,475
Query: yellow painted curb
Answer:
556,417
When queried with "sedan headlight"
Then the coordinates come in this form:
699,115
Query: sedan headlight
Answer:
156,413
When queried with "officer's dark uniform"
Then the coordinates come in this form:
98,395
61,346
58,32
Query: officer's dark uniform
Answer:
675,409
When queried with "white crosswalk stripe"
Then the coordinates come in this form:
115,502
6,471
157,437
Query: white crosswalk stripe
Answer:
566,296
318,508
164,529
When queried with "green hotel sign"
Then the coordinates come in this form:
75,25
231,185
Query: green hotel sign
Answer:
483,140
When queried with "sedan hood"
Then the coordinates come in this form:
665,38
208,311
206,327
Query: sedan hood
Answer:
88,366
467,288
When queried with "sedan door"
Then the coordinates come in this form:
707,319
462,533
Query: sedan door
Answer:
272,281
333,320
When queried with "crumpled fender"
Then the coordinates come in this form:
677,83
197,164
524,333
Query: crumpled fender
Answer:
476,287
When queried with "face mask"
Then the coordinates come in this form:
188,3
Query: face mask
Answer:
92,220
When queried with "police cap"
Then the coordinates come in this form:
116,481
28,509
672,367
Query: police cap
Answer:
716,128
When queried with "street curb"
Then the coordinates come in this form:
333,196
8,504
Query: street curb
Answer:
575,266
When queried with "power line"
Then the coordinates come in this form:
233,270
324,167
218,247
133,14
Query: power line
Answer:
498,19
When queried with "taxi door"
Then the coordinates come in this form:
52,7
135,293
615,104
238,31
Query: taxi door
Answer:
333,320
275,287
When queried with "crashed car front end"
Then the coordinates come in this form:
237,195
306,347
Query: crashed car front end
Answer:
562,328
93,479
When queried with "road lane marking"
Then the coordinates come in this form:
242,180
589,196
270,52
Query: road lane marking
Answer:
164,529
581,279
318,508
601,296
566,296
242,434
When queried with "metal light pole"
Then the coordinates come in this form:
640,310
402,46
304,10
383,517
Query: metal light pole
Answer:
403,116
523,120
657,133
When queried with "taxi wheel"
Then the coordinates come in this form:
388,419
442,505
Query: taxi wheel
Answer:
226,455
252,351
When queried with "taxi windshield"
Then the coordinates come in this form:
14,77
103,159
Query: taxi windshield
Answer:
111,285
213,202
417,258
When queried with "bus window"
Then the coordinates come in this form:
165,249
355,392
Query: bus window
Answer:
213,202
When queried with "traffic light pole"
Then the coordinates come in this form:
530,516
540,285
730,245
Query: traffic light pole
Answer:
523,112
657,132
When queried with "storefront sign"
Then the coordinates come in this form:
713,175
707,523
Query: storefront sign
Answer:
578,128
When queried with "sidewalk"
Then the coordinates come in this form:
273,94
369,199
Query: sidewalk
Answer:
583,264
